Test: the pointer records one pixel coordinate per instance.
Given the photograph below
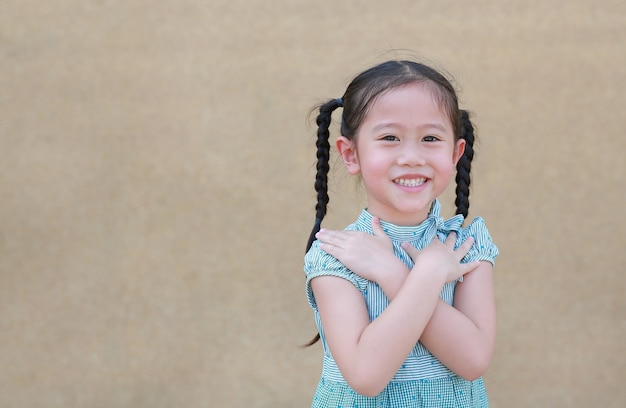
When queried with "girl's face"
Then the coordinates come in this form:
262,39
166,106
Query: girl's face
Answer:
405,152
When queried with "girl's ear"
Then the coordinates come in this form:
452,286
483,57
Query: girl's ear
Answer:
459,149
347,151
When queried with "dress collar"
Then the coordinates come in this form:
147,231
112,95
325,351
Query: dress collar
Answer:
427,229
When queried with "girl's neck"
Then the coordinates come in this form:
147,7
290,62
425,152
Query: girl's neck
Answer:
404,219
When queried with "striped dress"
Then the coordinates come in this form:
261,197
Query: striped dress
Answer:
422,381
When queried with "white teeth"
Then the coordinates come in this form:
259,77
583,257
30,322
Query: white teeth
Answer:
410,182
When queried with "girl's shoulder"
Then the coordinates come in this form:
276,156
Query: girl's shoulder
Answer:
484,249
319,263
315,258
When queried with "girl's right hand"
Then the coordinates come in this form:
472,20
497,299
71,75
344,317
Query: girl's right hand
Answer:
442,257
369,256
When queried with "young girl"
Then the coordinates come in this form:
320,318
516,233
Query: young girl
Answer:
403,300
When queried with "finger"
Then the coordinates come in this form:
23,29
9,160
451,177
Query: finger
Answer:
377,228
329,249
410,250
451,239
468,267
464,248
328,237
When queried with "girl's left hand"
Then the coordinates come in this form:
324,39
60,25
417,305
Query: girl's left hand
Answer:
369,256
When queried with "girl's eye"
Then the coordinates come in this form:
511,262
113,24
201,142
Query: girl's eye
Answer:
389,138
430,138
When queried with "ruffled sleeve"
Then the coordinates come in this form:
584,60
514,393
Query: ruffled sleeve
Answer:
483,249
319,263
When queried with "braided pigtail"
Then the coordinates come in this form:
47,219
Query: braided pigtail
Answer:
323,158
464,166
321,178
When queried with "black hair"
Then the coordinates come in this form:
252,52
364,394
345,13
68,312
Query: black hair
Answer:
464,165
323,157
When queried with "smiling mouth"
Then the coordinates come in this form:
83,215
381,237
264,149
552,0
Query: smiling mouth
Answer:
410,182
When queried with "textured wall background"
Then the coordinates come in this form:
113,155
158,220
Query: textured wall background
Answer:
156,170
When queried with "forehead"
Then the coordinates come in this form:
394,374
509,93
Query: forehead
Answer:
408,105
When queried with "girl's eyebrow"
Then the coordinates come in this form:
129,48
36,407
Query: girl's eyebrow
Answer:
387,125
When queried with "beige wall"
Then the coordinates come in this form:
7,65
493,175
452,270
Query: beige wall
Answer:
156,191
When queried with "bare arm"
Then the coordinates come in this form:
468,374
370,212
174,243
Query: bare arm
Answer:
370,353
461,337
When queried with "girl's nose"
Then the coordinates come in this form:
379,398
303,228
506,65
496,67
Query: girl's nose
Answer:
411,156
